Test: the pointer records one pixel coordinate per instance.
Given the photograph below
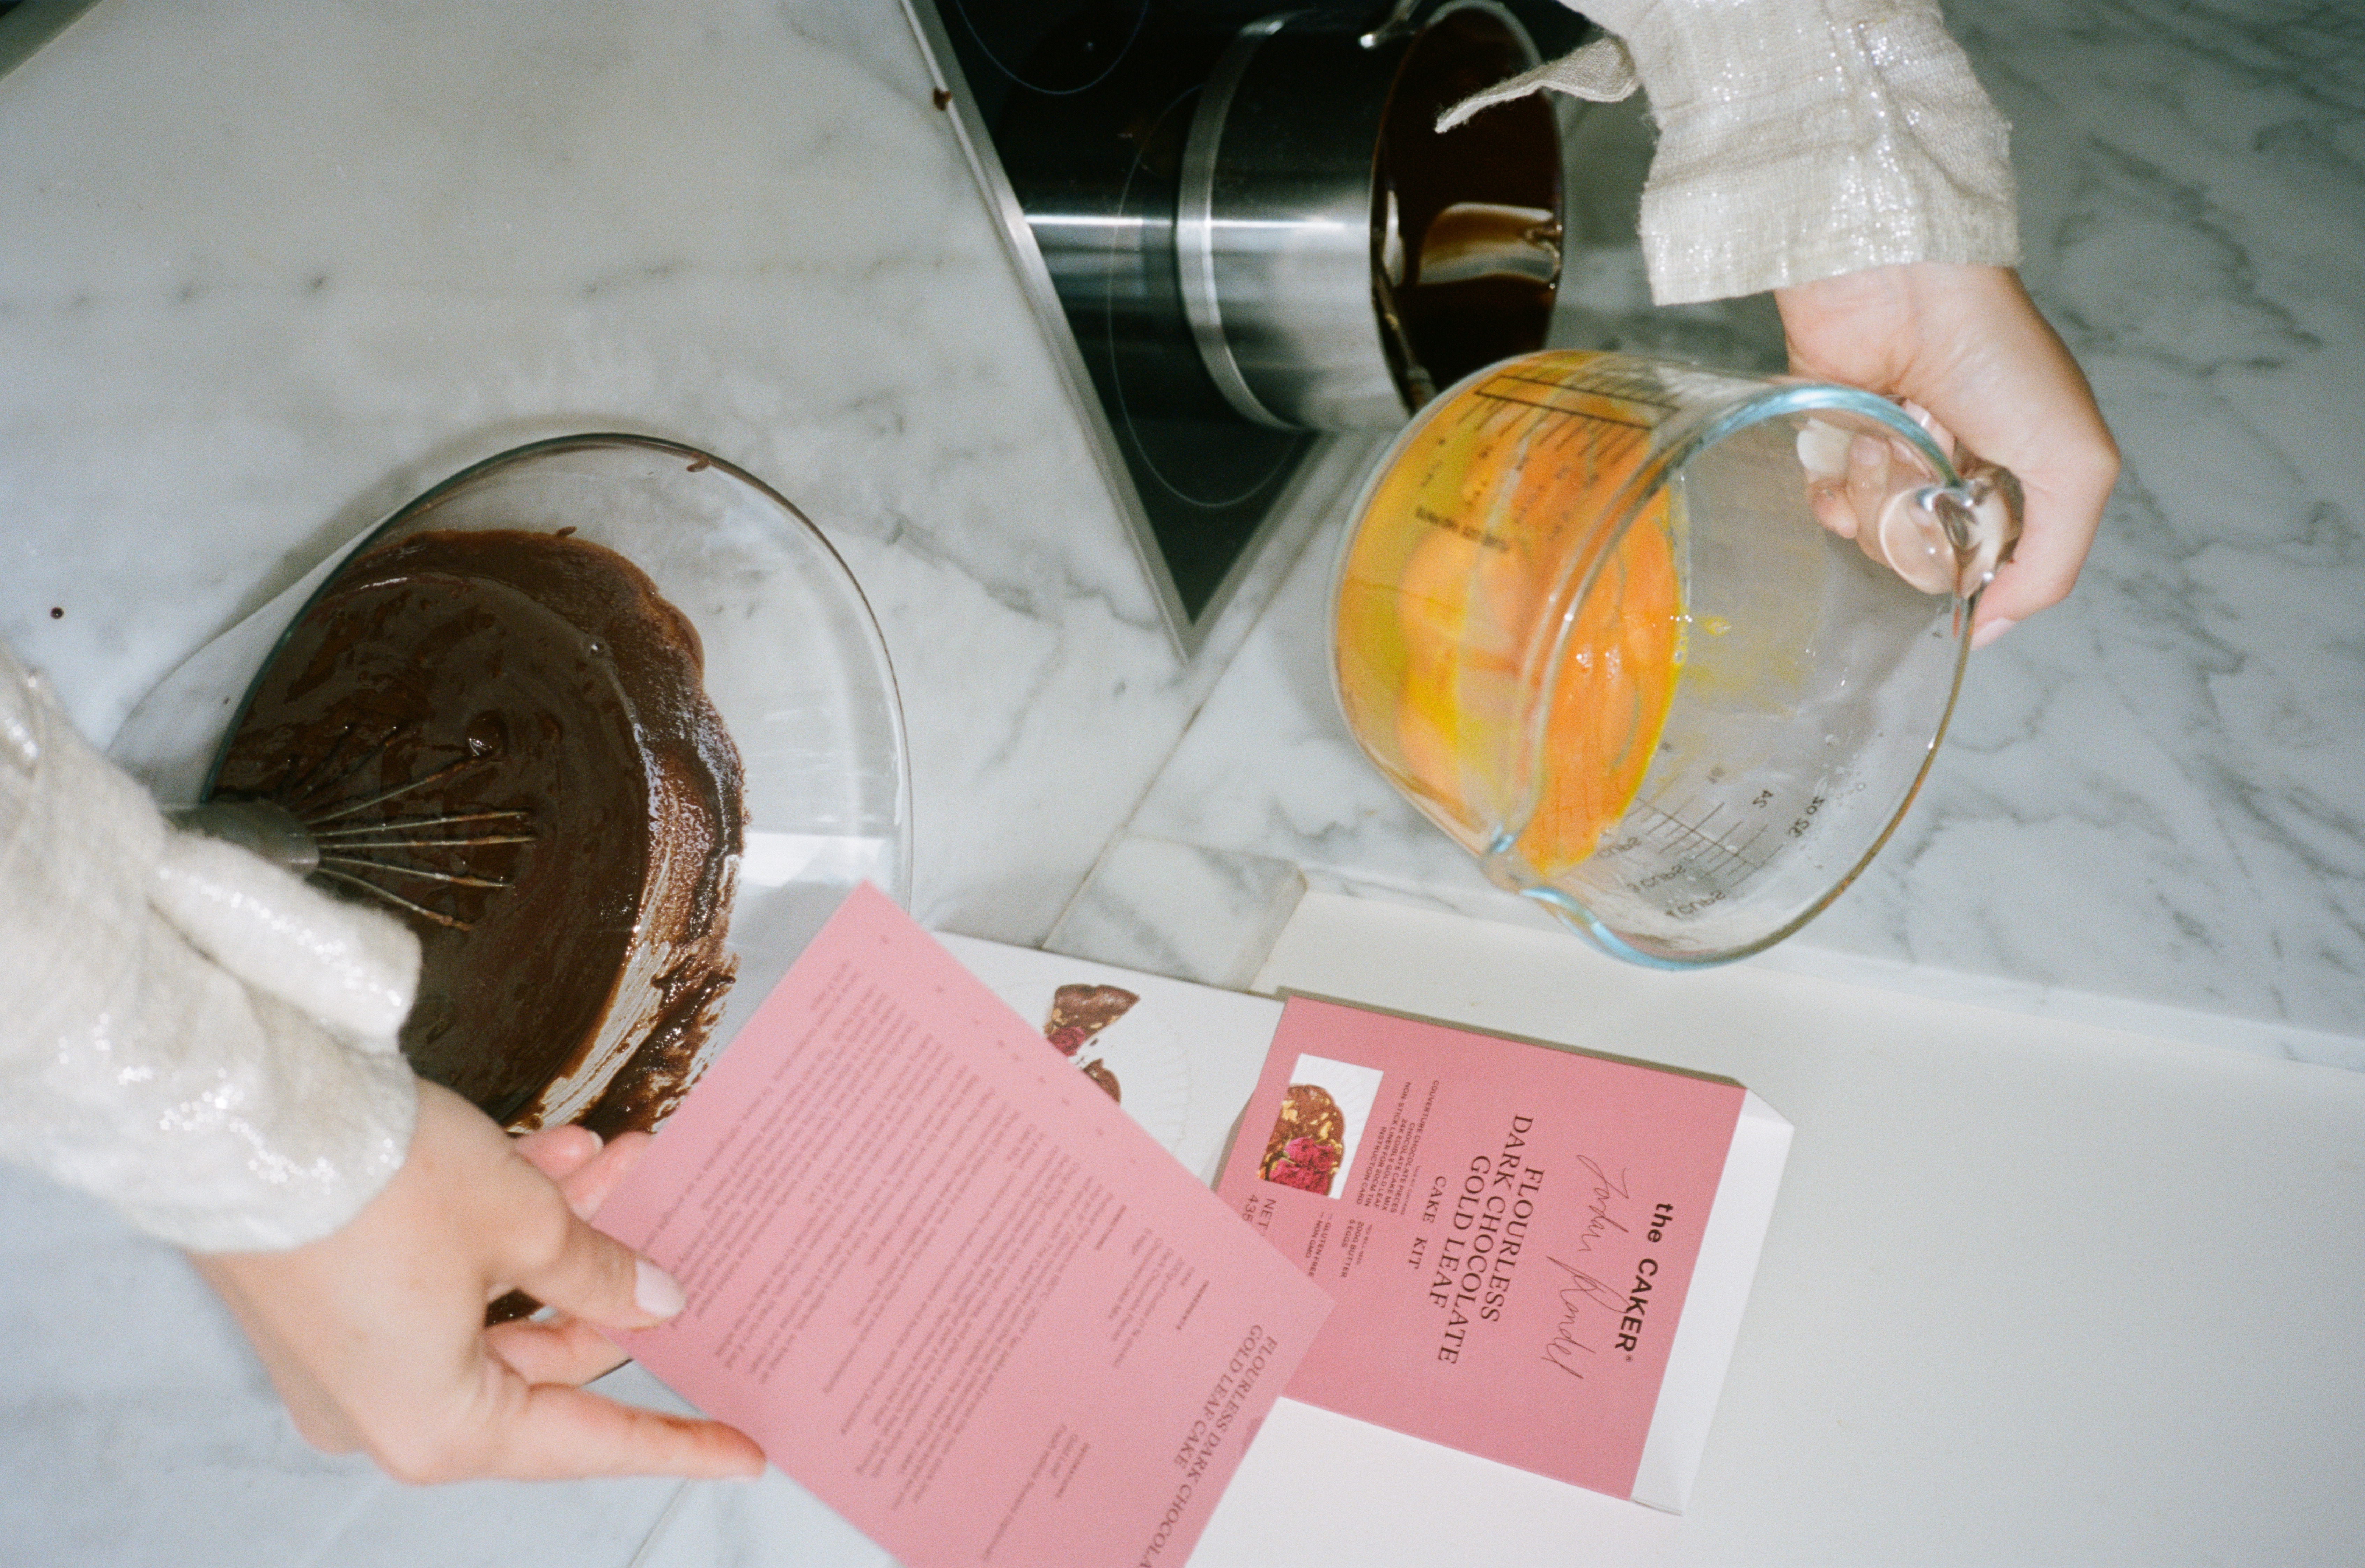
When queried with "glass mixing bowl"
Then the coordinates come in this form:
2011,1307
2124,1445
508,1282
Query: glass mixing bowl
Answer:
794,663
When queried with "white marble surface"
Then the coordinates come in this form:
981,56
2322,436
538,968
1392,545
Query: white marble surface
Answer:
267,270
271,270
2151,810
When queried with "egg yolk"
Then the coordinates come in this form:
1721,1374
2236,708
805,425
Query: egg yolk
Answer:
1447,597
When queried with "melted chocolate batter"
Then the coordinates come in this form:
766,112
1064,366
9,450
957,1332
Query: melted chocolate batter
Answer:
1508,154
518,687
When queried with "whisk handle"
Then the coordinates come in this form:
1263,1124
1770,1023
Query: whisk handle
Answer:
268,829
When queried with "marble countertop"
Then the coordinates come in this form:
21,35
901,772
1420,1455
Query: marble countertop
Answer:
272,270
267,271
290,267
2150,809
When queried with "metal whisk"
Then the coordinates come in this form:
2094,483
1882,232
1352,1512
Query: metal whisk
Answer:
305,824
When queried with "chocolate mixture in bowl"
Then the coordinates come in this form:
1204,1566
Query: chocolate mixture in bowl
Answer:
503,737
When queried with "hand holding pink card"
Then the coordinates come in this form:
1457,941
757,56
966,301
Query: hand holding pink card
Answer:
945,1282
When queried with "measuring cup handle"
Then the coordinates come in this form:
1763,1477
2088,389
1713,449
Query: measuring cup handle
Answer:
1981,516
1943,538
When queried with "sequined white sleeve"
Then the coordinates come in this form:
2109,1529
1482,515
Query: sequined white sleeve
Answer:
1797,139
186,1031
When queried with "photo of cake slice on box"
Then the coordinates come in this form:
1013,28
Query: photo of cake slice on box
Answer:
1308,1140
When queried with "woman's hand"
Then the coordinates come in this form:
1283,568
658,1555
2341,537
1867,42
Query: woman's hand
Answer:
1968,344
374,1335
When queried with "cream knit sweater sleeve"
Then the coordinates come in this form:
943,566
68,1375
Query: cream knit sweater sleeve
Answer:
1797,139
186,1031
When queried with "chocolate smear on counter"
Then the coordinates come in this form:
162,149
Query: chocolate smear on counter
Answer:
574,962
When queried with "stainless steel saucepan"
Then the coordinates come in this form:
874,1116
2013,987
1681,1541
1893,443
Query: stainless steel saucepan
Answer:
1339,257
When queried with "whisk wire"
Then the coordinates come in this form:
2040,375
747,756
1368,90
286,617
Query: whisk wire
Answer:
338,838
456,879
424,779
387,895
405,824
317,782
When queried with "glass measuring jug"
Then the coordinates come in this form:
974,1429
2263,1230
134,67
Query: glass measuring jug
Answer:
1668,650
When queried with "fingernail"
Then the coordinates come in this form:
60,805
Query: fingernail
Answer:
655,1292
1989,631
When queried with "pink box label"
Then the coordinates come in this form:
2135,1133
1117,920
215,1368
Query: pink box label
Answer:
1507,1229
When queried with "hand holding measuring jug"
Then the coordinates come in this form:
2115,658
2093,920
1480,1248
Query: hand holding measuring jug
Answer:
1966,344
1588,621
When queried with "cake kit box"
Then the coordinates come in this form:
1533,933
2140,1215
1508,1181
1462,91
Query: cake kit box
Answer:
949,1263
1535,1255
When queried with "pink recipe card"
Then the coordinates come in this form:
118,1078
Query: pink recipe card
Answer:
1508,1230
944,1281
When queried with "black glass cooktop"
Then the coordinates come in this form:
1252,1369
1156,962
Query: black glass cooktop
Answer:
1076,114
